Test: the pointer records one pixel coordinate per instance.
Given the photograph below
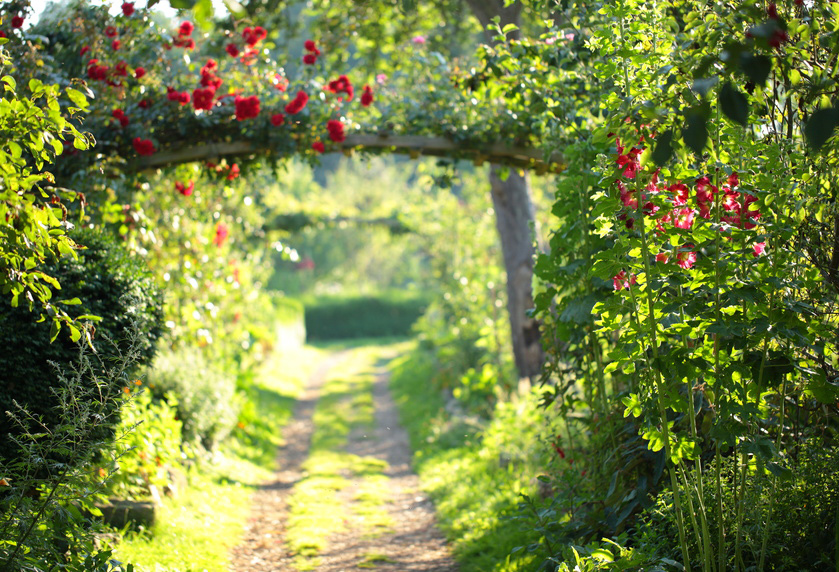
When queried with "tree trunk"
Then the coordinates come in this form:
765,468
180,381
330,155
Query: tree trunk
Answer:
515,219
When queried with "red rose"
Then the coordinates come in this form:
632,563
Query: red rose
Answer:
297,104
82,52
233,50
97,72
341,85
246,107
277,119
202,98
233,173
210,67
120,116
253,36
17,21
185,190
318,146
186,29
143,146
310,59
139,72
336,130
111,32
115,45
367,96
221,234
144,104
127,8
311,47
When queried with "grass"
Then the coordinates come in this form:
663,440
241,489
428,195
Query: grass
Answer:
196,531
316,513
459,465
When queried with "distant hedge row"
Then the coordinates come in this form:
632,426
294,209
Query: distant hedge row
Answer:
336,318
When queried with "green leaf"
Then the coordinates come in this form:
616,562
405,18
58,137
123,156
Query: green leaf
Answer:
820,127
71,302
695,133
77,97
703,85
756,68
235,8
182,4
663,148
734,104
782,473
55,328
203,12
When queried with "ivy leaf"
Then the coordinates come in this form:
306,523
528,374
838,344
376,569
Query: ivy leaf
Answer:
734,104
695,133
756,68
820,127
663,148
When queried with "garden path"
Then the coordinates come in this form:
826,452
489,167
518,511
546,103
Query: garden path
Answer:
410,542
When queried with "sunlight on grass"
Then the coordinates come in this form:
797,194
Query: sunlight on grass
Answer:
197,530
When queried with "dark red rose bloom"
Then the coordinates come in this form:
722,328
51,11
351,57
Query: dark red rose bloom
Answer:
186,29
233,50
111,32
277,119
202,98
139,72
115,45
221,234
96,71
246,107
310,59
234,172
3,35
82,52
210,67
185,190
297,104
318,146
253,36
143,146
341,85
127,8
121,69
17,21
144,104
336,130
181,97
367,96
120,116
185,42
772,11
311,47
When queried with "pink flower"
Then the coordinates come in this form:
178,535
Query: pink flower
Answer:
221,234
381,79
758,249
622,280
419,40
686,259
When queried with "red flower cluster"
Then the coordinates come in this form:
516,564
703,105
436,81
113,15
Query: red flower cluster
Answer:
319,146
17,21
232,50
128,8
367,96
143,146
232,170
277,119
221,234
120,116
255,35
297,104
139,72
96,71
184,39
341,85
202,98
312,57
121,69
185,190
115,45
111,32
181,97
622,280
246,107
336,130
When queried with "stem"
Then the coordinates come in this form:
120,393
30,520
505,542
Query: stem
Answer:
765,539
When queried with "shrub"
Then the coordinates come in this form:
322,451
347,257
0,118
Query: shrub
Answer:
107,282
205,396
46,505
362,316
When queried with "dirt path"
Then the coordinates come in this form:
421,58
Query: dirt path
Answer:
409,542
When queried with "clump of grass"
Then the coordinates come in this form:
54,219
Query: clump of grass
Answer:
372,560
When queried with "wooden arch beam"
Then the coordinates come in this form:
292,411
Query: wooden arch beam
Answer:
414,145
